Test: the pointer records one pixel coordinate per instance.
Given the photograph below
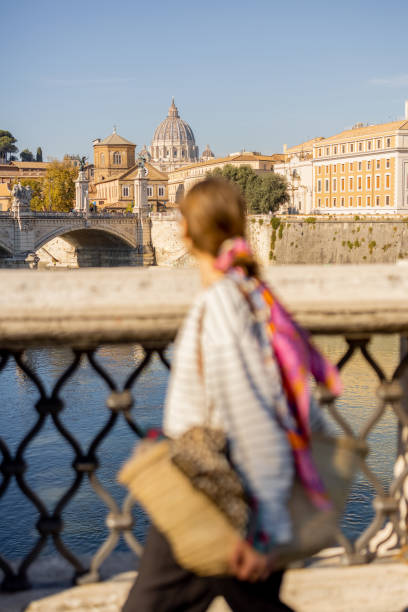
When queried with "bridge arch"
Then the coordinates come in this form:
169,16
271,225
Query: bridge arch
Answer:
80,234
88,247
5,250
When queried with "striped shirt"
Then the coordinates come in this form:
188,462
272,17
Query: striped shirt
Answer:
238,390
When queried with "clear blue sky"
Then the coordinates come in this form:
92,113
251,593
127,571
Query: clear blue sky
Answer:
244,74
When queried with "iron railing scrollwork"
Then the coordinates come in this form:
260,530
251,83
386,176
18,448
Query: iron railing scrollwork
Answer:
387,503
119,520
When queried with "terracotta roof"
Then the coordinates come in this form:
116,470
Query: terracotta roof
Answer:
114,139
154,174
304,146
34,164
367,130
245,156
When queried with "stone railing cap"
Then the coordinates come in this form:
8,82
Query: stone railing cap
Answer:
133,304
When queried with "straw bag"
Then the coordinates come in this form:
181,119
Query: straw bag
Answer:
201,537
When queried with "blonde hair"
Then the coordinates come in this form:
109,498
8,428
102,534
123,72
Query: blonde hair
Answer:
214,210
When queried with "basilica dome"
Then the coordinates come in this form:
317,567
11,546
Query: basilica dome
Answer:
173,143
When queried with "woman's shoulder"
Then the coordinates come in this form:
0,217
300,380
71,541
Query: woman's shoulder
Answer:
225,311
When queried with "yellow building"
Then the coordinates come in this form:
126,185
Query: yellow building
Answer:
117,192
112,156
362,169
182,179
114,171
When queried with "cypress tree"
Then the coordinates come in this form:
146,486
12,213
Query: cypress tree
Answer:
39,156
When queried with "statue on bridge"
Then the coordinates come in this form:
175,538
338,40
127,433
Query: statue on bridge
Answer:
82,163
21,198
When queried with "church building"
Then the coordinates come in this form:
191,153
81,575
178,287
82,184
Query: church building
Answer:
115,168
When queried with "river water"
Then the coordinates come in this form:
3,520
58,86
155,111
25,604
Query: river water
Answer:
49,457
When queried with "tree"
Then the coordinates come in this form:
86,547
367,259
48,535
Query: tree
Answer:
39,155
37,200
263,192
59,186
269,193
7,145
26,155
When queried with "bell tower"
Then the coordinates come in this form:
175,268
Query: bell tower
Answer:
112,156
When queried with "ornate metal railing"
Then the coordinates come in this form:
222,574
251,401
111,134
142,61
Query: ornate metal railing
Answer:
93,307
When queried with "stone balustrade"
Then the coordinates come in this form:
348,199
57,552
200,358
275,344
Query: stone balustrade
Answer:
88,308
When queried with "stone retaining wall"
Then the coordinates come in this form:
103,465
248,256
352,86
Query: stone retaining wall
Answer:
301,241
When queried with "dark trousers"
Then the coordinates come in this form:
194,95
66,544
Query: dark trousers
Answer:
163,586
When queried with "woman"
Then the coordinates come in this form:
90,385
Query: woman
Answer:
225,366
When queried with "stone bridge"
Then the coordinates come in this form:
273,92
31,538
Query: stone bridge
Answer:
74,239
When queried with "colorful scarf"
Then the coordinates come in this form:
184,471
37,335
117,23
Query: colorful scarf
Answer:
297,359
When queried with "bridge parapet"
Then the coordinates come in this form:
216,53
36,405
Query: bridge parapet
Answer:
23,234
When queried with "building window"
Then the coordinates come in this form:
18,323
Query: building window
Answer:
319,202
161,192
369,145
335,149
368,200
342,201
319,169
368,182
342,184
149,191
378,144
387,163
319,152
117,158
351,147
334,184
174,152
387,181
350,201
387,200
388,142
327,170
342,167
368,165
334,202
378,164
335,168
319,185
351,183
360,146
125,192
377,200
327,202
360,166
359,201
343,148
351,167
326,185
377,181
327,150
359,183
